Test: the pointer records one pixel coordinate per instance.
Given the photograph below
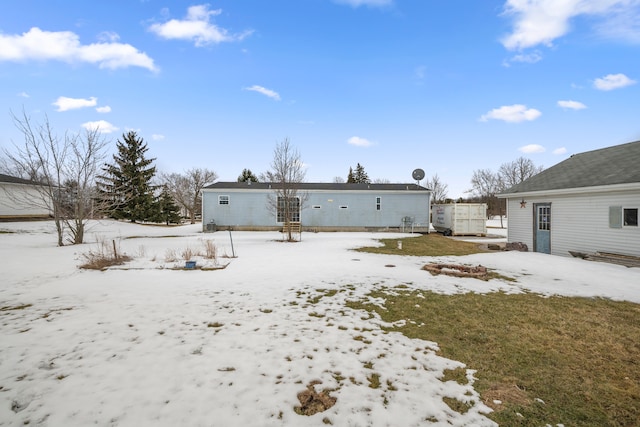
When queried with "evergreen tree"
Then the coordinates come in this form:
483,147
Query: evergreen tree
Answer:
126,183
350,177
360,175
247,175
167,209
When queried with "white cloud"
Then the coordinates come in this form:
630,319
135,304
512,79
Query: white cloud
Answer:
266,92
532,148
157,137
372,3
512,113
359,142
65,104
105,109
542,21
101,125
196,27
560,150
572,105
23,95
613,81
530,58
65,46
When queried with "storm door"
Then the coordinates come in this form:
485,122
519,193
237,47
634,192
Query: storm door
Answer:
542,227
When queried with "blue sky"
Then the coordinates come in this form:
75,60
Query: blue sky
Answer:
448,86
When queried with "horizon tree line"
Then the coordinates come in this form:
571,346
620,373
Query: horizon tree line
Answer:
75,185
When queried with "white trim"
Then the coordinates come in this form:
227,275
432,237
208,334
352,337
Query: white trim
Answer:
576,190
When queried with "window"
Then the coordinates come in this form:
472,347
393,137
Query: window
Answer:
622,217
544,218
378,203
288,207
630,217
223,200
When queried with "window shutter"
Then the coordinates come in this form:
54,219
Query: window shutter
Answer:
615,216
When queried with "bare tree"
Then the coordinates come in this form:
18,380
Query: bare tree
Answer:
486,185
63,171
381,181
515,172
338,180
439,189
186,188
286,174
86,152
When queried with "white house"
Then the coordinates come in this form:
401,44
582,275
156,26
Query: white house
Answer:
321,206
588,203
20,199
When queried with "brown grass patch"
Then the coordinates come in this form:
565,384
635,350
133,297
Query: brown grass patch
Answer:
555,360
106,254
312,401
425,245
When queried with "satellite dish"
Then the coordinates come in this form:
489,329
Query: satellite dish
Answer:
418,174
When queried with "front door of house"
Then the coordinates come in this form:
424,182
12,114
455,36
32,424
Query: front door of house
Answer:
542,227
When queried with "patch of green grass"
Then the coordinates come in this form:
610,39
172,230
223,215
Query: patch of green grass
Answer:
457,405
458,375
374,380
556,360
323,293
426,245
362,339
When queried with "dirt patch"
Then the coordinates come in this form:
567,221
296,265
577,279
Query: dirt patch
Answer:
500,394
312,402
457,270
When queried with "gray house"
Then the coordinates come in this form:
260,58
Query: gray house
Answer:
321,207
588,203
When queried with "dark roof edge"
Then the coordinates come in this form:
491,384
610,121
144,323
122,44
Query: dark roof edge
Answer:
317,186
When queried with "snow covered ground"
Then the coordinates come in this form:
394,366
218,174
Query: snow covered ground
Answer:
151,345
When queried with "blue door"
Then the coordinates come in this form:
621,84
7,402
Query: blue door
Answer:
542,227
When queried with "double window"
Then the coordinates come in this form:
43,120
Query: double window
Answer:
378,203
288,209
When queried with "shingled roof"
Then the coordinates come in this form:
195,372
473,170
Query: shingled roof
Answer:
15,180
619,164
319,186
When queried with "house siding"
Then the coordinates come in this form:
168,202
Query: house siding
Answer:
578,223
21,201
250,208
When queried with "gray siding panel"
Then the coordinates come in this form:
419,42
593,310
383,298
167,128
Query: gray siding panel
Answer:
250,208
520,225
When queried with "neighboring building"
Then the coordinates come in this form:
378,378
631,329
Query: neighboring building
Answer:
588,203
20,199
324,207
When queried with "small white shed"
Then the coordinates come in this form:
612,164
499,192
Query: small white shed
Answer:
588,203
